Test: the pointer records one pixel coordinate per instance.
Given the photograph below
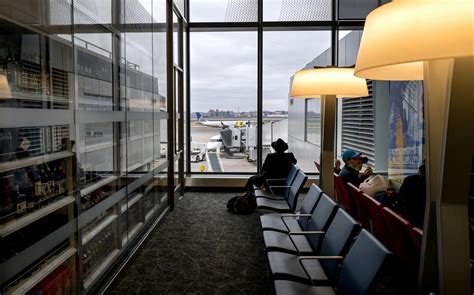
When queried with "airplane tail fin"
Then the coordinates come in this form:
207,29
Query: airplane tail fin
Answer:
200,117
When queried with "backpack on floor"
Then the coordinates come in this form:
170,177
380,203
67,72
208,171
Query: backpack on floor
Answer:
243,203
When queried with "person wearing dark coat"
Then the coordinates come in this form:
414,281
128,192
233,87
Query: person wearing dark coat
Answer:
276,165
412,197
350,173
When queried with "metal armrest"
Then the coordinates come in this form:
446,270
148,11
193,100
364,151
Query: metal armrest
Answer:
302,233
279,185
301,258
320,257
295,215
292,215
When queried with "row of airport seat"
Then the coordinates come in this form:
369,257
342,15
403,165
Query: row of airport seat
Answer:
394,231
321,249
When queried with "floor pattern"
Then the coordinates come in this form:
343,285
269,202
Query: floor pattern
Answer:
200,248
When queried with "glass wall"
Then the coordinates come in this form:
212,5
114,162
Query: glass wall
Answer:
223,69
298,48
83,137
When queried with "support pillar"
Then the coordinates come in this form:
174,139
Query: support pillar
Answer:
328,123
449,118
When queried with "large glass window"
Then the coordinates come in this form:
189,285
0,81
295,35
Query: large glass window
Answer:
313,121
284,117
223,101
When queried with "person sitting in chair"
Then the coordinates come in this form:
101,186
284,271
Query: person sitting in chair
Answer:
276,165
350,173
412,197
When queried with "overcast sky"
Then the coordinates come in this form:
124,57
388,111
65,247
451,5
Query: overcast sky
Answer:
224,67
224,64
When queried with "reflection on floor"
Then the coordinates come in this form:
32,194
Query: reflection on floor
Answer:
200,248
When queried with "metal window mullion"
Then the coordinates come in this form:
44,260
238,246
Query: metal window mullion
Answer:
188,95
181,105
116,92
77,173
260,86
170,101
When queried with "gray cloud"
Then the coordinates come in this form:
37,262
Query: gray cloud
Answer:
224,67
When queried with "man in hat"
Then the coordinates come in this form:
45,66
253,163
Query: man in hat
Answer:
276,165
350,173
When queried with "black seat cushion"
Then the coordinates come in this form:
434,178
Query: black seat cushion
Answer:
277,241
274,205
286,266
274,222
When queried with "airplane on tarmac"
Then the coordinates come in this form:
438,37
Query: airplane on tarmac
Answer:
220,124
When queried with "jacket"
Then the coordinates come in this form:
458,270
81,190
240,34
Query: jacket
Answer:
277,165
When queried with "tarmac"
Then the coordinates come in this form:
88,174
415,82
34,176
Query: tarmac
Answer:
200,135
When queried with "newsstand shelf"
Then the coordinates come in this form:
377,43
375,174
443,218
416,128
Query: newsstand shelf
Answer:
36,215
43,272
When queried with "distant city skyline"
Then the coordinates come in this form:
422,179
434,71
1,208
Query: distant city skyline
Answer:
230,113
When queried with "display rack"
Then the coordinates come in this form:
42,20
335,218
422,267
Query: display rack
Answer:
132,233
100,227
97,185
34,216
22,163
131,202
89,280
48,267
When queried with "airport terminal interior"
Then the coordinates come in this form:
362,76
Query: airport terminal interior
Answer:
129,130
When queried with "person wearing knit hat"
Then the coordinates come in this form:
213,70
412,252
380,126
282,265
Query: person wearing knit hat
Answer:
276,165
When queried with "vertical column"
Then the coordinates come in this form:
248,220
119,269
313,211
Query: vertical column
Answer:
450,148
260,86
170,100
328,123
118,25
181,107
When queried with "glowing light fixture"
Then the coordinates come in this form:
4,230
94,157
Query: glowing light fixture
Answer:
400,35
327,84
4,88
433,40
341,82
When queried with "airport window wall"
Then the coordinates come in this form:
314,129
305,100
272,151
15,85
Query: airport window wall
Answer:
223,101
298,48
237,117
83,137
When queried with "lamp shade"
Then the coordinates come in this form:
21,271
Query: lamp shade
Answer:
4,88
313,83
400,35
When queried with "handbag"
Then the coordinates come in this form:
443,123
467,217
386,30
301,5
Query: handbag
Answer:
373,184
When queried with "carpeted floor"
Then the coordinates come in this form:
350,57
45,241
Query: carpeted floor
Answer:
200,248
